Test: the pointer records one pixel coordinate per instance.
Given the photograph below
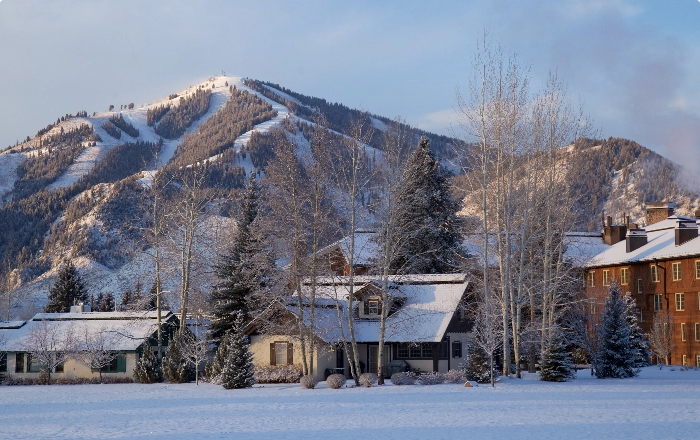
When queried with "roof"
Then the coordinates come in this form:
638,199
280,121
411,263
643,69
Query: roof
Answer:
366,248
430,302
661,245
126,330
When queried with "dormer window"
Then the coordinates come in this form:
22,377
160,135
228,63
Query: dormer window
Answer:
373,307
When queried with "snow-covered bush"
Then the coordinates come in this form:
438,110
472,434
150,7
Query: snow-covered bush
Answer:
432,378
176,369
455,376
476,365
406,378
238,369
618,353
309,382
368,379
278,373
556,365
336,381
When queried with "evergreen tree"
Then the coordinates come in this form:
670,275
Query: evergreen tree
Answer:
238,369
68,290
147,368
176,368
426,217
236,270
107,303
556,364
476,365
617,355
639,339
127,300
213,370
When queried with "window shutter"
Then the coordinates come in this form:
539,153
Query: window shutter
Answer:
366,306
121,363
273,357
290,353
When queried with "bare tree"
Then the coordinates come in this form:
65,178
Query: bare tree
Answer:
51,344
660,338
95,347
488,331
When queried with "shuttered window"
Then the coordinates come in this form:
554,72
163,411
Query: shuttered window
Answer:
281,353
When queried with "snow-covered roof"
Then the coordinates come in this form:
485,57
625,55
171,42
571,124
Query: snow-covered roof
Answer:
430,302
11,324
365,247
126,330
661,245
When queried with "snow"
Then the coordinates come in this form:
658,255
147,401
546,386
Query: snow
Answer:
430,302
661,244
658,404
8,171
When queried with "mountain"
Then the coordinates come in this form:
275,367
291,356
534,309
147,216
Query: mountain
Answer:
79,188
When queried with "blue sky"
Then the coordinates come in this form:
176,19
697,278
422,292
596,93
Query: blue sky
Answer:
635,64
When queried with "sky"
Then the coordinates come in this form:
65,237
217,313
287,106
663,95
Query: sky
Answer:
634,64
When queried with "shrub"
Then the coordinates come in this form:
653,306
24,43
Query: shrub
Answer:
336,381
455,376
433,378
309,382
406,378
368,379
148,368
13,381
278,374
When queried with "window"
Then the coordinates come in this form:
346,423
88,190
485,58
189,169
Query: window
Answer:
19,363
425,350
3,362
591,279
373,307
680,302
457,349
593,308
683,331
654,273
339,358
117,365
624,276
697,361
684,360
657,303
639,285
697,331
697,270
415,351
281,353
606,278
402,351
641,315
676,267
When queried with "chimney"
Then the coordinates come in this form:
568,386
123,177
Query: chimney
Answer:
636,238
686,230
613,234
658,211
79,308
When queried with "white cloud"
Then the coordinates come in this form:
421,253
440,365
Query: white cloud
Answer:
441,122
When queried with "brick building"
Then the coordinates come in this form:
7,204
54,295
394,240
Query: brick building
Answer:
660,265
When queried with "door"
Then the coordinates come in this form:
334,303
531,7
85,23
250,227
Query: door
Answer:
374,358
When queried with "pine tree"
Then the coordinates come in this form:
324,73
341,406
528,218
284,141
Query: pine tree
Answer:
107,303
127,300
238,369
67,291
176,369
426,217
617,355
236,270
639,339
556,364
476,365
147,368
213,370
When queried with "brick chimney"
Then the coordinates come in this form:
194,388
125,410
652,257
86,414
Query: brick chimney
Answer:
613,234
636,238
658,211
686,230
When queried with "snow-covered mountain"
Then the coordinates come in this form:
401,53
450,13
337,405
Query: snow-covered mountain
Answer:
74,190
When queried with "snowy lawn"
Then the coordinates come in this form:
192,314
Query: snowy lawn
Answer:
657,405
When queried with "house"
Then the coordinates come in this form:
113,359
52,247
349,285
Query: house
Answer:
365,248
660,265
426,325
125,334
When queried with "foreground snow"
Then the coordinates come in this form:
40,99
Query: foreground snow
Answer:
658,404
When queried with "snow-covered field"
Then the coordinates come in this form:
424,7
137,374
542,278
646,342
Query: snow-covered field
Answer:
657,405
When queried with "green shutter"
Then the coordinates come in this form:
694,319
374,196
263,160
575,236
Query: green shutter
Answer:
121,363
290,354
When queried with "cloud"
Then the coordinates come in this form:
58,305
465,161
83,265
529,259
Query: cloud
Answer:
440,122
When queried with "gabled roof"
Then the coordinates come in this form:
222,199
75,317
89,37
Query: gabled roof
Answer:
661,245
365,247
128,330
430,303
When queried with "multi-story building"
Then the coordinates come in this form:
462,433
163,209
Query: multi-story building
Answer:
660,265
